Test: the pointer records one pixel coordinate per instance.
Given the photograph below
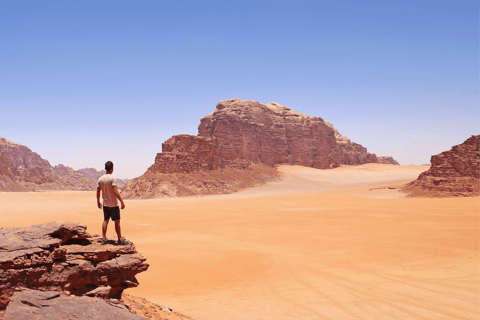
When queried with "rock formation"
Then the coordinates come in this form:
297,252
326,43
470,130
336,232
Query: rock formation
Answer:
452,173
186,154
27,304
21,169
269,134
388,160
243,139
22,156
63,257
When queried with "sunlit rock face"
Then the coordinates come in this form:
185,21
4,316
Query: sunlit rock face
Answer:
452,173
273,134
62,256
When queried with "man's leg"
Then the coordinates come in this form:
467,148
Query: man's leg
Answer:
118,229
104,229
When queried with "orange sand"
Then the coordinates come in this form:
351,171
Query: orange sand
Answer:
317,245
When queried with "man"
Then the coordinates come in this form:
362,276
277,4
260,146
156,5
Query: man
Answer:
108,185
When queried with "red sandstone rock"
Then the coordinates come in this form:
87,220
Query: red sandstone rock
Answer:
185,154
62,256
270,134
27,304
22,156
453,173
237,134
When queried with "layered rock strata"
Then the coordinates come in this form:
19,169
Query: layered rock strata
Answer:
27,304
186,154
269,134
273,134
237,135
452,173
62,256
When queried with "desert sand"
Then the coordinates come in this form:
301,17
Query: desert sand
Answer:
320,244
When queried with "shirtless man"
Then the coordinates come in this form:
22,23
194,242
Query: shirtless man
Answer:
108,185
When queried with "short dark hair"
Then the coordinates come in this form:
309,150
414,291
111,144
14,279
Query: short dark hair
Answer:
108,165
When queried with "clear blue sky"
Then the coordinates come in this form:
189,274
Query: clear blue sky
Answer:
82,82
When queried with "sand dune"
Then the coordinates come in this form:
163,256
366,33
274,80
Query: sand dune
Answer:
317,245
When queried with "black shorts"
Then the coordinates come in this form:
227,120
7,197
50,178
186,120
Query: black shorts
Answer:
111,212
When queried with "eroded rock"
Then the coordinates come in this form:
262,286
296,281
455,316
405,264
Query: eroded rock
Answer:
62,256
452,173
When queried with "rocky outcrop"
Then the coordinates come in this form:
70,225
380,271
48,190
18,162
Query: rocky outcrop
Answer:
234,177
348,152
24,170
63,257
269,134
186,154
237,135
22,156
273,134
387,160
27,304
452,173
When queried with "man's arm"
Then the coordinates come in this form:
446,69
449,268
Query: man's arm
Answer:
98,198
117,194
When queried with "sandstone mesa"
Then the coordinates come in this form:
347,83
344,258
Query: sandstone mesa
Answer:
244,139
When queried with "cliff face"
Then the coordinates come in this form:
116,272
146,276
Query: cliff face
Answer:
186,154
452,173
237,146
269,134
63,257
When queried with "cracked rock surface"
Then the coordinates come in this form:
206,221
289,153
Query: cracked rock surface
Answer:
27,304
63,257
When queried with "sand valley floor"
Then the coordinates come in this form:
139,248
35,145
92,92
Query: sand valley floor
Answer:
320,244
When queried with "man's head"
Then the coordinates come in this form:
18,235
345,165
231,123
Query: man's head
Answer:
109,166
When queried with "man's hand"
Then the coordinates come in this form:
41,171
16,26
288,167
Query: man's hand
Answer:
123,205
98,198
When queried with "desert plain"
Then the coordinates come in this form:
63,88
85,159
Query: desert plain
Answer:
316,244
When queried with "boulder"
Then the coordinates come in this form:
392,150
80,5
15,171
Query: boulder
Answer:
62,256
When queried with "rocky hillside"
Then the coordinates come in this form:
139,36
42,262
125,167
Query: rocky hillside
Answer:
21,169
452,173
237,147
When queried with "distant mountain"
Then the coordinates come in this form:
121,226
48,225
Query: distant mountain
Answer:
94,174
21,169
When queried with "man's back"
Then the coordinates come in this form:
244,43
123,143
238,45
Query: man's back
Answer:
106,183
